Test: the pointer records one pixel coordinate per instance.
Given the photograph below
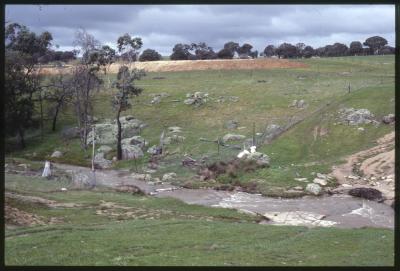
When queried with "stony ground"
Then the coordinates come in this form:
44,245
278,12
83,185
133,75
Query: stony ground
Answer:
371,168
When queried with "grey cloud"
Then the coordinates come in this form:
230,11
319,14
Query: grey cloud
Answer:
161,27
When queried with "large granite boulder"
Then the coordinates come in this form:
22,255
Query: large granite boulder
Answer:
131,152
101,162
314,188
232,137
261,159
388,119
106,133
353,116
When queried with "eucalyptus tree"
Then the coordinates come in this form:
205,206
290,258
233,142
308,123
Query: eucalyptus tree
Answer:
125,84
22,80
128,47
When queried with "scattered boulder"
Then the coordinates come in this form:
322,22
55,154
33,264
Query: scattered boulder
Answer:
131,152
135,140
70,132
174,129
322,176
223,99
353,116
156,100
141,177
154,150
197,99
104,149
304,180
57,154
319,181
261,159
101,162
177,138
129,188
366,193
271,132
388,119
189,101
157,97
168,177
298,104
232,137
231,124
314,188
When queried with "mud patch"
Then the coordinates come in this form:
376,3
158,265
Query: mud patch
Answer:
16,217
40,201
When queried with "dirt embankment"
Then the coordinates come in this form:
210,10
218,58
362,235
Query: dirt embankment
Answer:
372,168
199,65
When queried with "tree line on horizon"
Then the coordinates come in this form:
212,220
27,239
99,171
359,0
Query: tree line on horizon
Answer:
375,45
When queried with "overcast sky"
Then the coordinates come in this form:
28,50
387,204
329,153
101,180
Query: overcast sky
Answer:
162,26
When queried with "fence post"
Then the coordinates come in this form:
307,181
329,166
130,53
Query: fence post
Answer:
93,146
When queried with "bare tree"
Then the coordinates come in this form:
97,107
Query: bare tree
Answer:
84,84
58,93
85,81
86,43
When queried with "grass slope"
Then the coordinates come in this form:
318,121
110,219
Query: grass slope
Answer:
264,96
169,232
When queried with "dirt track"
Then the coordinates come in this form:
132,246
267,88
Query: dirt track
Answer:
192,65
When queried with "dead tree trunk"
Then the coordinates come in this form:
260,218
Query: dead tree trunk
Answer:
21,139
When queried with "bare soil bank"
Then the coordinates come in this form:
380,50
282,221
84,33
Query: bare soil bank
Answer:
192,65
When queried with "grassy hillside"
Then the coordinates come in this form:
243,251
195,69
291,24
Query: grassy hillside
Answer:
264,97
109,228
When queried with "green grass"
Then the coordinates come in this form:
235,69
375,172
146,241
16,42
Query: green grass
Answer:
169,232
324,81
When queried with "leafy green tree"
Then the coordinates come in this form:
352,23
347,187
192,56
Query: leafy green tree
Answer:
355,48
229,50
203,51
150,55
308,51
375,43
22,81
125,84
244,50
181,52
286,50
128,47
269,51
